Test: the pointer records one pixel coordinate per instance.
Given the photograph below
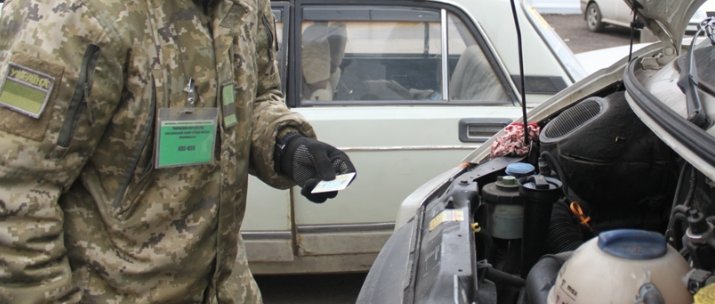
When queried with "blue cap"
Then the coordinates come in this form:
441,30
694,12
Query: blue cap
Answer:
520,169
633,244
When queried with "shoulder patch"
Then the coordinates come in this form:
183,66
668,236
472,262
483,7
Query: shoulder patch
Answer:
26,90
28,86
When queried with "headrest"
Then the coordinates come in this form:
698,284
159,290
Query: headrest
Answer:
316,61
323,50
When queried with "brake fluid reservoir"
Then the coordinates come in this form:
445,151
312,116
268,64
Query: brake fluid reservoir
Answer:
612,268
505,208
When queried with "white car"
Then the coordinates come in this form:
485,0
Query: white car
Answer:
599,13
406,88
609,199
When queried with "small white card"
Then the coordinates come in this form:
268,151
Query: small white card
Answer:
339,183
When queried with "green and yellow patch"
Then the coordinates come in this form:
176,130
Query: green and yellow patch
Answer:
26,90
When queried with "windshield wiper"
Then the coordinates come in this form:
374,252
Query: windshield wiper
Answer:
694,105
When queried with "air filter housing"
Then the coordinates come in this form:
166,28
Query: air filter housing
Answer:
605,154
573,119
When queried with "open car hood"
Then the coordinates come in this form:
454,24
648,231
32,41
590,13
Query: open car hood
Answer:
667,19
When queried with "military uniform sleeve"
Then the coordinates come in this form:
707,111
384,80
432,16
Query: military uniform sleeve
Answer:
270,114
55,63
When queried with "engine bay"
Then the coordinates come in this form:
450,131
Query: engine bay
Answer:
597,192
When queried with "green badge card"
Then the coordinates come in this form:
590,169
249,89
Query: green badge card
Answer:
185,137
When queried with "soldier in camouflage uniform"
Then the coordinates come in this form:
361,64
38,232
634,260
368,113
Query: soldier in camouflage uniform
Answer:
97,202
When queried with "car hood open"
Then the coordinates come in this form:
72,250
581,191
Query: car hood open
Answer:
667,19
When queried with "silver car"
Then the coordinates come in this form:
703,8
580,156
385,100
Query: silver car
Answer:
608,196
599,13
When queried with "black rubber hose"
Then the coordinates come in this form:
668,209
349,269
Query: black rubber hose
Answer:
542,277
550,160
564,233
502,278
678,221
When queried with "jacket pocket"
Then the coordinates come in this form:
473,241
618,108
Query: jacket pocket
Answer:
140,167
78,102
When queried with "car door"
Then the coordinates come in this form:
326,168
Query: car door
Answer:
623,13
406,89
615,12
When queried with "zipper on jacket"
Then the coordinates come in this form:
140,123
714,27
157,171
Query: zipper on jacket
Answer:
81,92
136,155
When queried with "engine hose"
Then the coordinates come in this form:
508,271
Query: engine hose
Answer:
711,240
553,164
678,222
542,277
679,210
502,278
564,233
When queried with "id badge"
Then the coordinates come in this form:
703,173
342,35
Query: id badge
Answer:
185,137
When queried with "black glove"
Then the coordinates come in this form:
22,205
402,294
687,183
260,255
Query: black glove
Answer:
308,161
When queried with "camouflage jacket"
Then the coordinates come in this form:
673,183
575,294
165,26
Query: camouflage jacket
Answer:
84,214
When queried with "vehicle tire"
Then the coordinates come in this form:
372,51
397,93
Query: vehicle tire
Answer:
593,17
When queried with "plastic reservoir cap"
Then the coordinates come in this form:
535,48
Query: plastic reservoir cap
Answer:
633,244
520,169
540,183
705,295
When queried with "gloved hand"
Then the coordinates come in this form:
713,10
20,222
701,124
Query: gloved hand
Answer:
308,161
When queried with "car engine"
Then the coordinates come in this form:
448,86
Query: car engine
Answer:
598,201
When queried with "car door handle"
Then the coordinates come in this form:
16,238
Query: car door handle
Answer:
478,130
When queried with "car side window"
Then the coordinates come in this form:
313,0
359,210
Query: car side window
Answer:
471,76
391,53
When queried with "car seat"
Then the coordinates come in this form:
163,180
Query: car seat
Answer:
474,79
323,49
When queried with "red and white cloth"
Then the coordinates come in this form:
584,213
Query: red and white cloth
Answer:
511,143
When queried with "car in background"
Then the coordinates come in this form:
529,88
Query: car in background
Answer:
606,194
599,13
405,88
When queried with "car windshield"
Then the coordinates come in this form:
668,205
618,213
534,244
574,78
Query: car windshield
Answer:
703,59
686,86
677,100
